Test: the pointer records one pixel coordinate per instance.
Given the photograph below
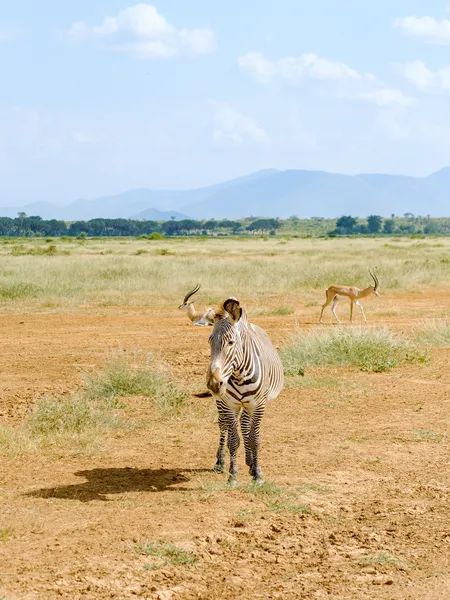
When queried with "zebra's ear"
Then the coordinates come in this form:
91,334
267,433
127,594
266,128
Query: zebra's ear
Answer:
233,308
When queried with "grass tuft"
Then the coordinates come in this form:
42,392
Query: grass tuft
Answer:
371,350
125,375
72,423
19,291
168,554
427,436
381,558
51,250
278,500
280,311
6,533
434,333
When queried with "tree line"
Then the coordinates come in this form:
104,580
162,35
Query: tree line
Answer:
375,224
408,224
35,226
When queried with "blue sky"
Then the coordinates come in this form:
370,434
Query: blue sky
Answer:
100,97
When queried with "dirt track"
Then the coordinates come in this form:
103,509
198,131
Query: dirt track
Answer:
369,460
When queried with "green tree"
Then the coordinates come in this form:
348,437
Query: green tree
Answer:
345,225
389,226
374,223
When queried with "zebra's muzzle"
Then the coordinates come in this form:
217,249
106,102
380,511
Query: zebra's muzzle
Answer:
216,383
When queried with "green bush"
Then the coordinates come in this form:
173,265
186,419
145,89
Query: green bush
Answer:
371,350
123,376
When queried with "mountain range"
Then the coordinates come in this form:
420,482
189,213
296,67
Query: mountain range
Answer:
267,193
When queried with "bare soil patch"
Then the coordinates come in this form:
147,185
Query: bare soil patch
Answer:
356,509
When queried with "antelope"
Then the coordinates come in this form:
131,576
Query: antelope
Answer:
197,317
245,374
354,294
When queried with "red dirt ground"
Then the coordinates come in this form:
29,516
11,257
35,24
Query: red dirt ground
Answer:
368,459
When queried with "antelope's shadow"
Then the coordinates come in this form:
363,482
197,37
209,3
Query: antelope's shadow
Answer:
101,482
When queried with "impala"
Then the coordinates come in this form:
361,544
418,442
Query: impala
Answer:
354,294
197,317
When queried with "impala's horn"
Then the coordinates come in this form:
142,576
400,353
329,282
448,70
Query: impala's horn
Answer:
191,293
375,280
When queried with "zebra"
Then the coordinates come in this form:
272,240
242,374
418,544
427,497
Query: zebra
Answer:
244,374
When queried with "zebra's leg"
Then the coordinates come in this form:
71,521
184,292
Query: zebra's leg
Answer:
254,441
219,467
245,428
232,416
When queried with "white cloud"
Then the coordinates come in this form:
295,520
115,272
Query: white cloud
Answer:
232,128
293,69
260,68
420,75
10,34
77,32
143,32
352,84
431,30
387,97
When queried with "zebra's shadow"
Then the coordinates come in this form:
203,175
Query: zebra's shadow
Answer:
101,482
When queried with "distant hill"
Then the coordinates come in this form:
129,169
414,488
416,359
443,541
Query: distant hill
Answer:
133,204
268,193
322,194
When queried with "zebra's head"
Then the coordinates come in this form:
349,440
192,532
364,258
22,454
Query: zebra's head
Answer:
226,346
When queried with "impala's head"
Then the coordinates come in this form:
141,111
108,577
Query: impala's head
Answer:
186,300
226,346
376,282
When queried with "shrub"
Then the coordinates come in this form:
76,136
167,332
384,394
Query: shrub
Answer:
73,422
373,350
163,252
434,333
125,376
18,291
21,250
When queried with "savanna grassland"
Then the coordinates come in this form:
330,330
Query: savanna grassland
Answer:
106,451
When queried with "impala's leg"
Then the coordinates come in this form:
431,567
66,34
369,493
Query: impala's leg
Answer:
329,298
324,307
333,308
351,311
362,310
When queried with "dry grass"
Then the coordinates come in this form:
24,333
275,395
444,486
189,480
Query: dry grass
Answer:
371,350
434,333
124,272
135,374
84,422
72,425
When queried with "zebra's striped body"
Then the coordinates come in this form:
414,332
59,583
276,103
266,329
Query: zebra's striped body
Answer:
245,374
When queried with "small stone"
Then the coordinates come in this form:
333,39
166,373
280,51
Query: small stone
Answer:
369,570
